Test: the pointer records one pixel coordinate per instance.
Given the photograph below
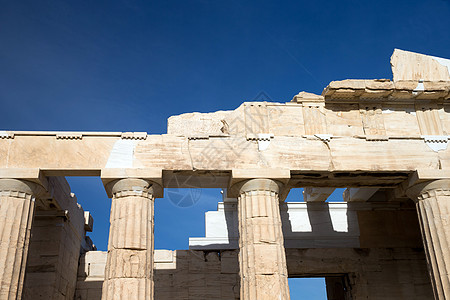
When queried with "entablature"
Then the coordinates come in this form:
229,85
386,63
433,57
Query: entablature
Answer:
386,91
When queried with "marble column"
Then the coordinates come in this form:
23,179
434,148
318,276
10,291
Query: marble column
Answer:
433,208
17,202
262,257
129,266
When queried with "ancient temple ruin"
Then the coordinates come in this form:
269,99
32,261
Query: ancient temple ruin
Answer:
384,141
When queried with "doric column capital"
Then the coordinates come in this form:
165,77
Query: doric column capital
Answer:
427,189
21,188
259,179
133,187
257,184
130,181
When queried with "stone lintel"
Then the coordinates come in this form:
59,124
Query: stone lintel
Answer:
95,172
150,174
282,175
407,189
420,176
32,174
321,194
358,194
195,178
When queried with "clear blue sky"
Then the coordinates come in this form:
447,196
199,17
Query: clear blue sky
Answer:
129,65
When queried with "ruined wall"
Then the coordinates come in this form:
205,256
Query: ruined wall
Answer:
378,273
322,225
52,260
386,261
180,274
91,274
58,236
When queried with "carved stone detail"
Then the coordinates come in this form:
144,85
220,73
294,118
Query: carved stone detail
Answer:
6,135
69,136
134,135
256,119
372,118
314,117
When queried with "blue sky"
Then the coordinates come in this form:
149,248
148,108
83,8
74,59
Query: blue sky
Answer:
129,65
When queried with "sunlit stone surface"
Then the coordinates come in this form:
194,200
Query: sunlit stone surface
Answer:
384,141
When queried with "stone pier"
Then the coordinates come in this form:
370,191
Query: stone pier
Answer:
129,268
262,258
433,208
17,202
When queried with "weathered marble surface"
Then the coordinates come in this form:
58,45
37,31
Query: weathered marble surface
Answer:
408,65
380,139
129,271
376,273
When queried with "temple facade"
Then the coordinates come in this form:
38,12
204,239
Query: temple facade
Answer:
384,141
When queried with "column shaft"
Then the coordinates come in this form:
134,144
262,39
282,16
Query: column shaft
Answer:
262,257
433,208
129,267
16,215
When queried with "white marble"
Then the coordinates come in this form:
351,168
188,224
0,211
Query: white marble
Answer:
305,225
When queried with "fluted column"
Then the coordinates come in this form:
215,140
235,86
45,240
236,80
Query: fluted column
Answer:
129,267
262,257
17,201
433,208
